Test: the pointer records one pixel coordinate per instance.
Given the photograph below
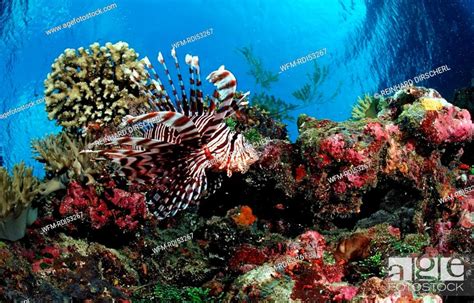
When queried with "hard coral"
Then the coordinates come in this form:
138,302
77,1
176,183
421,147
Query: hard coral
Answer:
92,86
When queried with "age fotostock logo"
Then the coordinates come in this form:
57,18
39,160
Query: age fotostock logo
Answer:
445,275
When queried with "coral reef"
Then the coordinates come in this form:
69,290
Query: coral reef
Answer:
64,161
351,161
396,174
90,87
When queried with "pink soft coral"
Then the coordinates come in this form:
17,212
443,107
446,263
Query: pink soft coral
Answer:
448,125
376,130
333,146
114,207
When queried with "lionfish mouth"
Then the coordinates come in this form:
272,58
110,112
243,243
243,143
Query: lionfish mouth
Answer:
188,137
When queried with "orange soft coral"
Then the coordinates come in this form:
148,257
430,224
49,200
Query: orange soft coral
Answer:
245,216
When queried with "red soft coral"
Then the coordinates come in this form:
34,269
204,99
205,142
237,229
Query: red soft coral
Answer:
99,215
131,207
354,157
114,207
247,258
78,199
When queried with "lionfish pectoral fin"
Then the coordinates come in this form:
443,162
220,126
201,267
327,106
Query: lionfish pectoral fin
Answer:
182,189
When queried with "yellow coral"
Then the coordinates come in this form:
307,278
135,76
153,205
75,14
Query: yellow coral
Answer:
432,103
92,86
364,108
16,192
62,158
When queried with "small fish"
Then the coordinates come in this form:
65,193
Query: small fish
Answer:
189,141
280,206
464,166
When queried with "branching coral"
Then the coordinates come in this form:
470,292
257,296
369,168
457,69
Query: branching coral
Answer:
17,191
91,86
62,158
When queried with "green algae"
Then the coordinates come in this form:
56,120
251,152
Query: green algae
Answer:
310,93
372,266
253,136
231,123
412,243
172,294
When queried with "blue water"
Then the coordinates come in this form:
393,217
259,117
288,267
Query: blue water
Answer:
371,45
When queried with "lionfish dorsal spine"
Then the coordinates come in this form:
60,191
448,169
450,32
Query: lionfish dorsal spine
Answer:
162,98
183,125
192,85
177,106
199,94
226,85
183,105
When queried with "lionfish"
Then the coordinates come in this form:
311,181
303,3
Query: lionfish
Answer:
188,138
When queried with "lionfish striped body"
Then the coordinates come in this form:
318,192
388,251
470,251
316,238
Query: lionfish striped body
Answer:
187,140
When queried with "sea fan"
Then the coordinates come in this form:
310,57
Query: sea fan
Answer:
188,140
